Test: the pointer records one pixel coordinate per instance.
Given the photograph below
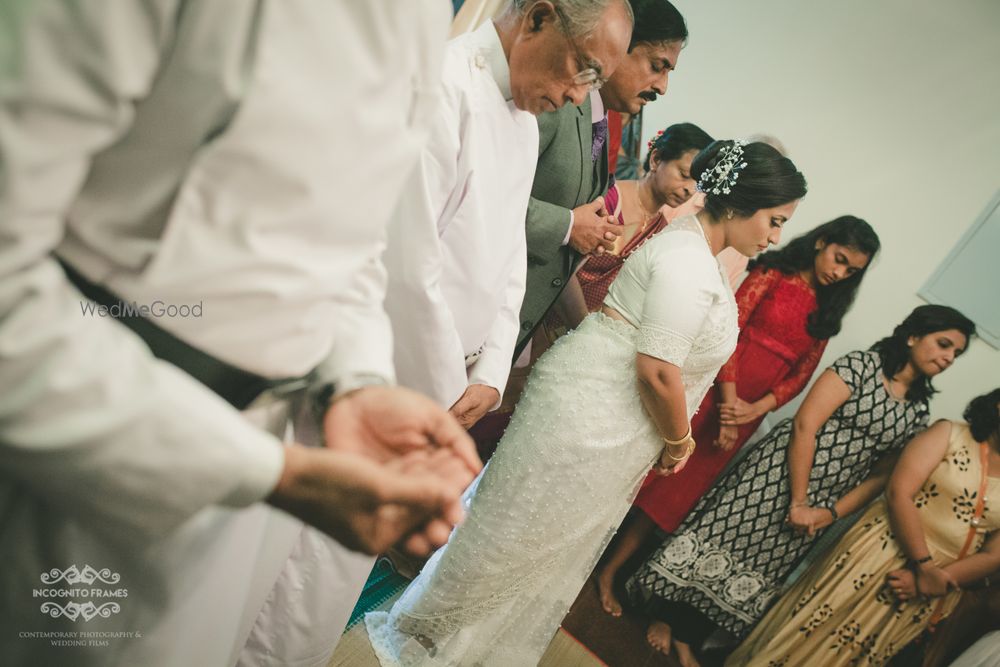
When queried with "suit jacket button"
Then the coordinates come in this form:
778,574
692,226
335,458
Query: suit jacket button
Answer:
557,282
526,326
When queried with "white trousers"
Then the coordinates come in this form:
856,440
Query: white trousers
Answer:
302,589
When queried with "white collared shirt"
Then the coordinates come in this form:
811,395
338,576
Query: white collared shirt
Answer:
457,256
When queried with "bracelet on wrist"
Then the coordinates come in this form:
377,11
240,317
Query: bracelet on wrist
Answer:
687,453
917,562
833,511
674,443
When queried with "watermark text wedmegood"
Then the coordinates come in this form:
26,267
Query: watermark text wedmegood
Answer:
158,308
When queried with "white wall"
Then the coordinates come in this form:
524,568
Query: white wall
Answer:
892,111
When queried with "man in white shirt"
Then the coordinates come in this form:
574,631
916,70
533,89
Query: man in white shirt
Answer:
198,161
456,255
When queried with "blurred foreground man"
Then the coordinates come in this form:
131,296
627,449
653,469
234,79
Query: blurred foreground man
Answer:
176,180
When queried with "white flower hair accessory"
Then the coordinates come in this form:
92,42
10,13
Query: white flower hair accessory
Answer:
721,178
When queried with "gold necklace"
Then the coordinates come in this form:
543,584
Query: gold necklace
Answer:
647,216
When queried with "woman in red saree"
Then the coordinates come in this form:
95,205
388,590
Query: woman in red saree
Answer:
791,303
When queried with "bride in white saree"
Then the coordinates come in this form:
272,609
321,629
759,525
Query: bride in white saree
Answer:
603,405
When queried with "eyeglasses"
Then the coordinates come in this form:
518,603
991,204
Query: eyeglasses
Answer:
586,76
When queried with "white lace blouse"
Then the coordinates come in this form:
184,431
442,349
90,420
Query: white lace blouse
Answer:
676,294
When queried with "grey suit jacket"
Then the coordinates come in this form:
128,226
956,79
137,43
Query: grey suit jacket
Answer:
566,177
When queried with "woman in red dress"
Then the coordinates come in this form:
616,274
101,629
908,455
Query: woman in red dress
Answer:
791,303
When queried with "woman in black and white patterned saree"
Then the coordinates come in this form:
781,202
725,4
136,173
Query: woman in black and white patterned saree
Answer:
728,560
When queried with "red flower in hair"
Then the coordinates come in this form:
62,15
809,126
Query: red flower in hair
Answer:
652,141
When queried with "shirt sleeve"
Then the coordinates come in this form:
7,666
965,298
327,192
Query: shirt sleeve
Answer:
799,375
362,345
677,300
854,368
89,419
757,284
569,230
493,365
428,352
547,226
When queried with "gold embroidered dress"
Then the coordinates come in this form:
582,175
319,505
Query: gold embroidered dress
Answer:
841,612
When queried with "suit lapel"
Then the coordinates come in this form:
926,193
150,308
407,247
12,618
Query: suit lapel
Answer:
586,134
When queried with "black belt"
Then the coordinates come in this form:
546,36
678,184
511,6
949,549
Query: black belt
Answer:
238,387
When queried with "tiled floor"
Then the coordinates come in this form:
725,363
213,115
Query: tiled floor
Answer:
355,651
618,642
588,638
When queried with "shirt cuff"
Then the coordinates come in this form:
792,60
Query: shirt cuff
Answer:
353,381
259,474
489,376
569,230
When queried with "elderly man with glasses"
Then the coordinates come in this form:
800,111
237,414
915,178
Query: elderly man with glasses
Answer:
456,248
566,219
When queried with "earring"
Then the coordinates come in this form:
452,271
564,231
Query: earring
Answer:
729,215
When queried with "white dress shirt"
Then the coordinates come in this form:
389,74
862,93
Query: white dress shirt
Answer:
185,153
456,255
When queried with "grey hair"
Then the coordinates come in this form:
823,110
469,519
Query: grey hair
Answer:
582,16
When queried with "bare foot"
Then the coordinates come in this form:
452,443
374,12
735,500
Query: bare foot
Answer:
658,635
685,655
605,588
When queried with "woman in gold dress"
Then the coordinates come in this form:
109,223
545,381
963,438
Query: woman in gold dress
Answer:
902,563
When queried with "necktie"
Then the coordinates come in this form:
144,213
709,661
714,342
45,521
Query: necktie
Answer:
600,133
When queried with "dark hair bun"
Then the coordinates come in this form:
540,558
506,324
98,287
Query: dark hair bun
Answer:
769,179
983,416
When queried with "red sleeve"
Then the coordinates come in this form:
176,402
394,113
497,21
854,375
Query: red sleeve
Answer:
748,296
798,377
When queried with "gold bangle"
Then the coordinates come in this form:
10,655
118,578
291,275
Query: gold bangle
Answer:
687,453
677,442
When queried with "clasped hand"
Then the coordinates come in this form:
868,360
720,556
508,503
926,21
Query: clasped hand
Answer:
928,580
807,520
727,437
475,402
738,412
393,470
593,230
